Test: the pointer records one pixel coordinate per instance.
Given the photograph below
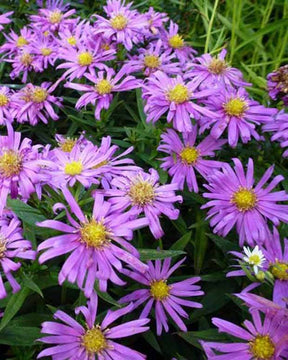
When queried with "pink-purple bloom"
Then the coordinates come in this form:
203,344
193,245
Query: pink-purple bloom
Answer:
105,83
234,200
12,245
166,296
237,113
260,339
140,192
6,105
70,340
163,93
4,19
277,83
184,157
97,244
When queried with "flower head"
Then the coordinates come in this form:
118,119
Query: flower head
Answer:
277,83
254,258
166,296
142,193
184,157
96,339
12,245
237,113
96,244
6,105
234,200
4,19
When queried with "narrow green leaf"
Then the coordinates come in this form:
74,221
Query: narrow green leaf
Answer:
151,254
19,336
182,242
25,212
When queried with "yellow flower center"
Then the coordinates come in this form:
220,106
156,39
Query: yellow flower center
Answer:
94,340
26,59
46,51
55,17
73,168
68,145
105,46
10,163
72,40
254,260
189,155
3,100
2,247
217,66
85,58
39,95
21,41
119,22
94,234
244,199
46,33
141,193
262,347
151,61
103,87
176,41
280,270
159,289
235,107
179,94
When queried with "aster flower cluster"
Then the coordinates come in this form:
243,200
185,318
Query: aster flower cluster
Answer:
98,197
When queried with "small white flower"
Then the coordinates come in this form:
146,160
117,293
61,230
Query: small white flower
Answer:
254,258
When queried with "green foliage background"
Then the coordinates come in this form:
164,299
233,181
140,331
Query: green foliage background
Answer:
255,34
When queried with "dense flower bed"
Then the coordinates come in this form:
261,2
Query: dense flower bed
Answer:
95,219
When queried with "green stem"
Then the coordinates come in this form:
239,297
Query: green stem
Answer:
210,26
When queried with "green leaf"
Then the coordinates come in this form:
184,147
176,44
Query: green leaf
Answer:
106,297
181,243
193,337
223,244
152,341
31,285
14,304
150,254
25,212
19,336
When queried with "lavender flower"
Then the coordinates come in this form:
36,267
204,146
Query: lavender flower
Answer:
263,340
34,103
277,83
163,94
235,201
155,21
100,94
4,19
5,105
141,192
238,113
15,42
184,157
19,167
124,25
213,71
72,341
12,245
167,297
96,244
23,62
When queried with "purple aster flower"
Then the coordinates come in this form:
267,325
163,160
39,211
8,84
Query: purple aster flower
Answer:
72,37
236,112
72,341
45,50
234,200
124,25
12,245
54,17
5,105
280,129
100,94
184,157
155,21
96,242
175,43
154,58
15,42
167,297
84,59
34,103
277,83
66,143
141,192
4,19
213,71
163,94
19,167
23,62
260,339
277,259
